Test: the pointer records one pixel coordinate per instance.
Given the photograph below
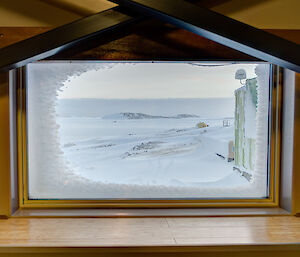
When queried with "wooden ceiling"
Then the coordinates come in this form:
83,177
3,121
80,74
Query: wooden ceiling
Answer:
87,7
149,40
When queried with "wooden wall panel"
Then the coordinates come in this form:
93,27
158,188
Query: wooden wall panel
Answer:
4,147
11,35
154,40
149,40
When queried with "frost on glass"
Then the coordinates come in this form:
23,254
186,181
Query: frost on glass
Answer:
147,130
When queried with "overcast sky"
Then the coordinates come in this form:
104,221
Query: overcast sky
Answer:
157,80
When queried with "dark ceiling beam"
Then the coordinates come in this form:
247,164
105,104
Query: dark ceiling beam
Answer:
63,38
221,29
228,6
208,3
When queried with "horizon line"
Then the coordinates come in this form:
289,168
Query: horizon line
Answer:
170,98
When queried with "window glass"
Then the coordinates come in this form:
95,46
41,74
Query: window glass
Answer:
147,130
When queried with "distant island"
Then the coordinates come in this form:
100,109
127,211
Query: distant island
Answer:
139,116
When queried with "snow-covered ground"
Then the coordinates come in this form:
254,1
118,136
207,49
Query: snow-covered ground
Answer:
161,151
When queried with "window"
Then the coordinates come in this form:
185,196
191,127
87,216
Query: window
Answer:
149,133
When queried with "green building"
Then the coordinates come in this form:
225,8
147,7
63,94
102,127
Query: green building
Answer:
245,125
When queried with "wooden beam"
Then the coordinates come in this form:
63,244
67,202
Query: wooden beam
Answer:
159,41
154,40
64,37
221,29
12,35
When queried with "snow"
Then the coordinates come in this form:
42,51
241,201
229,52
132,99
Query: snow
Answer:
44,153
250,114
260,176
160,149
83,157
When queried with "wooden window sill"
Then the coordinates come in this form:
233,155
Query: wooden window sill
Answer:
134,213
167,236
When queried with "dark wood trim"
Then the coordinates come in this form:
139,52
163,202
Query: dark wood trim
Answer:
12,35
54,41
154,40
147,40
84,39
292,35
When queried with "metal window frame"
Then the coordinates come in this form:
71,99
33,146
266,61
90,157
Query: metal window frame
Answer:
274,166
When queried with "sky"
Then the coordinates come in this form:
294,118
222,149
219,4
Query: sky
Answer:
156,80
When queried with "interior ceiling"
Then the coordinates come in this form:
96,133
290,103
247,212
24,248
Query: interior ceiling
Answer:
228,6
263,14
86,7
81,7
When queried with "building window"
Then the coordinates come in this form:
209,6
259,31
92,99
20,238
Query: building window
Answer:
166,133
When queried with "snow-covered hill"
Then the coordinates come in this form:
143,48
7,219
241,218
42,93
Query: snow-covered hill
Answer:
138,116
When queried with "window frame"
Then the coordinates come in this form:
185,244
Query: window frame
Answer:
274,166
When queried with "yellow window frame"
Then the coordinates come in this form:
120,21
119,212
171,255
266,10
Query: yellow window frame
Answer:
274,160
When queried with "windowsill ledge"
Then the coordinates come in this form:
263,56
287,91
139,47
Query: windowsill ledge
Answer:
129,213
151,235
